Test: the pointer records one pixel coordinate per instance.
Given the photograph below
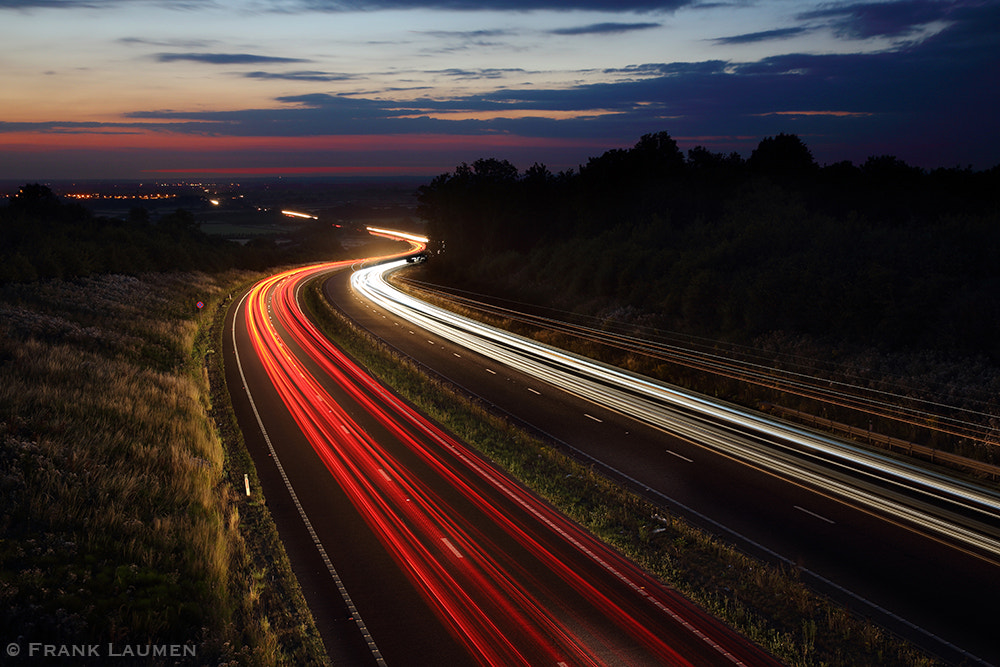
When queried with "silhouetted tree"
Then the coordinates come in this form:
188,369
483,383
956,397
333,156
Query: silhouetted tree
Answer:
657,155
138,216
493,172
34,198
885,170
722,247
701,160
179,224
784,156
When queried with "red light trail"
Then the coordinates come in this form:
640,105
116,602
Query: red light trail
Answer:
514,581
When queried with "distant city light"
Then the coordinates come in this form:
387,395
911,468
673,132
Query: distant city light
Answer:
84,195
213,202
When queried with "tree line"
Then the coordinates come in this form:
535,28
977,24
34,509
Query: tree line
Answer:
882,253
43,237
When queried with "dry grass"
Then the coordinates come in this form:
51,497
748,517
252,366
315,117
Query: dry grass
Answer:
119,523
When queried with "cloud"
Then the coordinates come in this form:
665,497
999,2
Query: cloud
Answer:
883,19
172,43
224,58
96,4
305,75
616,6
763,36
670,69
930,102
30,4
54,127
604,28
476,74
471,35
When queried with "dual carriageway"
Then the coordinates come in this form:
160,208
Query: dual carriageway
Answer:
508,581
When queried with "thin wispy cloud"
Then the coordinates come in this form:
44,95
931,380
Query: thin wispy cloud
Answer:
300,76
763,36
186,5
474,74
171,43
884,19
224,58
616,6
604,28
465,34
61,4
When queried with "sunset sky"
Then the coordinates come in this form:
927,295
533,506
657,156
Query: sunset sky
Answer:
178,88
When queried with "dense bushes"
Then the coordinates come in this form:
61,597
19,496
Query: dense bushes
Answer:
42,237
881,254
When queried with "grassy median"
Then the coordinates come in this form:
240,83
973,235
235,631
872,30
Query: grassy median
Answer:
768,604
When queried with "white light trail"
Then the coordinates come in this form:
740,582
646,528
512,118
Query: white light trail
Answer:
394,234
296,214
963,512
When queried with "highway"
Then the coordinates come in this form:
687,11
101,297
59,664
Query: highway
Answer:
914,549
411,548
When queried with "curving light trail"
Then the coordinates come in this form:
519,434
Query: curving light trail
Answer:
743,364
958,512
514,581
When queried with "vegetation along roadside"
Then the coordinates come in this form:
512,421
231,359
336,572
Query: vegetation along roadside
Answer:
768,604
123,523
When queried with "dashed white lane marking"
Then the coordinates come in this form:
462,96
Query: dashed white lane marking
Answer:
593,417
338,582
534,391
451,546
490,370
818,516
680,456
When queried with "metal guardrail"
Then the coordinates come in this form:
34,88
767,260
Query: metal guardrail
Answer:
888,442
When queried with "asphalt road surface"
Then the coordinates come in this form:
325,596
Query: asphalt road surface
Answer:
908,580
411,549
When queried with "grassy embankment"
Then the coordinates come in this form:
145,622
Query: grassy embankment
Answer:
768,604
123,517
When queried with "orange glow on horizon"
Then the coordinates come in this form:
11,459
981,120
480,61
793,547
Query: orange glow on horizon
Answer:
291,171
512,114
388,154
111,139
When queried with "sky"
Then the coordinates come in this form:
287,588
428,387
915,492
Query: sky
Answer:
147,89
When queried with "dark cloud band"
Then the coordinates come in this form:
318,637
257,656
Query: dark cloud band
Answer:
604,28
224,58
616,6
764,36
